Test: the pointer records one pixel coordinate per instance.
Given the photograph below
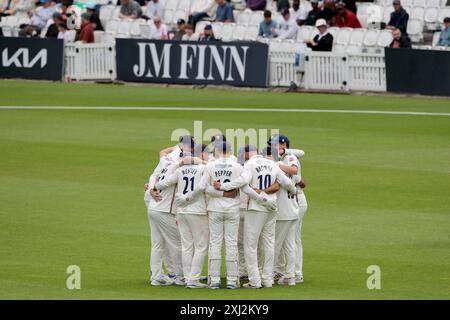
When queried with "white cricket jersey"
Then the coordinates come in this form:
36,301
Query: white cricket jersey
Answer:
231,157
260,173
223,170
187,178
165,168
286,200
175,154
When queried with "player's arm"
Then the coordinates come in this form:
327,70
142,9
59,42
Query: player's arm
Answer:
166,151
285,182
296,152
259,198
244,179
212,192
288,169
167,182
272,189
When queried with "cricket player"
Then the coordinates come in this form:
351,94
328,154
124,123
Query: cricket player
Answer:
164,230
288,211
191,217
260,173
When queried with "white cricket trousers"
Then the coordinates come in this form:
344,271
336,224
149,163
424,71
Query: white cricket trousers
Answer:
241,255
223,226
164,235
259,228
285,232
194,232
298,242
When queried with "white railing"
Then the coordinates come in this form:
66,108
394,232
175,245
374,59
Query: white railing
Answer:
345,71
325,71
93,61
282,69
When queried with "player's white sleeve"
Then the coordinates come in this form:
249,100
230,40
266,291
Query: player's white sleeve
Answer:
284,181
250,192
168,181
296,152
154,176
212,192
244,178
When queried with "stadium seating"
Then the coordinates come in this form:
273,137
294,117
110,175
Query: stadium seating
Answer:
425,15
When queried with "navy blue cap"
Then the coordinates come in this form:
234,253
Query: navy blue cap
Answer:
277,139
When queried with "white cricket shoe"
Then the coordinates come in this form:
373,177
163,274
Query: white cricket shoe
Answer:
231,284
214,285
267,284
163,280
179,281
196,285
298,278
287,281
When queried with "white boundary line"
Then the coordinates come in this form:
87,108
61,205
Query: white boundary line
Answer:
404,113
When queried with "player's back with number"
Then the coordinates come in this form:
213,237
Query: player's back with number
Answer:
223,170
189,177
264,173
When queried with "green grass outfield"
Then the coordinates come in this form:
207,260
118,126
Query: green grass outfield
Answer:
71,190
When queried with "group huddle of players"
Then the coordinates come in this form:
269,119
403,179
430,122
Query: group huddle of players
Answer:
201,196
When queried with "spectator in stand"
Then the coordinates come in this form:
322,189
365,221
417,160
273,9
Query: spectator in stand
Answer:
324,40
282,4
288,28
256,4
224,11
181,30
207,34
444,38
351,5
95,20
345,18
64,34
267,27
313,14
130,10
399,18
38,19
154,8
189,35
53,28
87,29
19,8
202,9
5,7
401,40
298,13
328,12
271,5
159,30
